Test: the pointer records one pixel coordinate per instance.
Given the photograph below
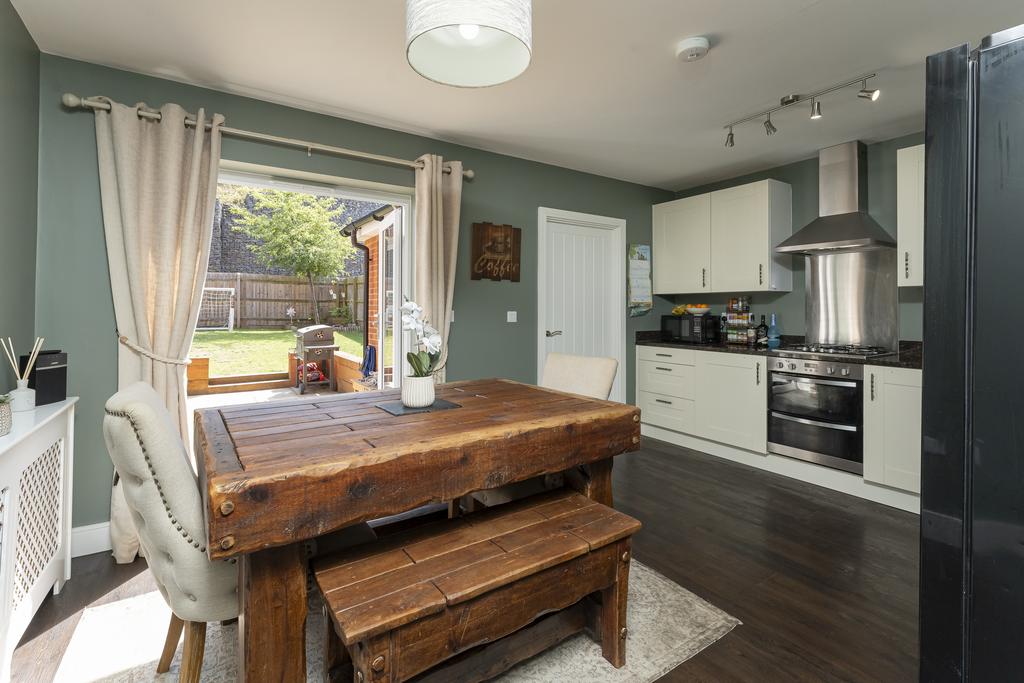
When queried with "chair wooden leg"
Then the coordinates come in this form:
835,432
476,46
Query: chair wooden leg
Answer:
613,610
192,655
170,644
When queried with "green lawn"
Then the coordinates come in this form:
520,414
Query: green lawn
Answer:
251,352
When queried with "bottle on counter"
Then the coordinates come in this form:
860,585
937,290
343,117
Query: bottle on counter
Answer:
773,333
762,330
751,333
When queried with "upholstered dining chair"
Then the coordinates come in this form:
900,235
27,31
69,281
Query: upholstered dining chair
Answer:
162,493
590,376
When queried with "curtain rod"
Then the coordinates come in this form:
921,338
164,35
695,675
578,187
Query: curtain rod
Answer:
75,102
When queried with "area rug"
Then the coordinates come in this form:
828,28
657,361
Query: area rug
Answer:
667,625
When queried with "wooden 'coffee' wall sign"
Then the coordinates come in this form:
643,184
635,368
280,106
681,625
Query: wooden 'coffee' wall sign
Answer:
495,252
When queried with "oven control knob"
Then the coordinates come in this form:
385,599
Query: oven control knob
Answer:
792,366
830,370
780,365
844,372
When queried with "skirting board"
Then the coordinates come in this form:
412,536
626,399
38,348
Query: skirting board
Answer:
837,480
89,539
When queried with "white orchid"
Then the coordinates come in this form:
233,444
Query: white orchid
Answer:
428,341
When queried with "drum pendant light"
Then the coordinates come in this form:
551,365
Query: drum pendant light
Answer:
469,43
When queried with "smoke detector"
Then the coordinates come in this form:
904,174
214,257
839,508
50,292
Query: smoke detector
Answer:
692,49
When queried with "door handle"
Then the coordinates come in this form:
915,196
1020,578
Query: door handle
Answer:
703,277
661,400
872,386
552,333
906,265
658,367
760,273
757,373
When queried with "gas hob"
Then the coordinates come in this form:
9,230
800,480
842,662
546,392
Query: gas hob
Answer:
828,351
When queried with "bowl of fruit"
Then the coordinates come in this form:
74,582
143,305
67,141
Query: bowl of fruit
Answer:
695,309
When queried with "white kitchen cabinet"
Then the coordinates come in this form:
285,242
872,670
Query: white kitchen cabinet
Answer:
732,400
910,215
682,245
747,222
892,427
724,241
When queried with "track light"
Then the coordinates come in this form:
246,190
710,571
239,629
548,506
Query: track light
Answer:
815,110
868,93
769,127
730,141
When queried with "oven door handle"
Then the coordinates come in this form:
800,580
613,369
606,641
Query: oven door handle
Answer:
781,378
814,423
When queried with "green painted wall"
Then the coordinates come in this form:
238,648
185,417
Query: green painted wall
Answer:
803,176
19,142
74,307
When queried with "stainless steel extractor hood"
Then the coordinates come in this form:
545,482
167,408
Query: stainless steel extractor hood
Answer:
843,224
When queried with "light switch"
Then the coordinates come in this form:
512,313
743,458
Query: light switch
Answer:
512,316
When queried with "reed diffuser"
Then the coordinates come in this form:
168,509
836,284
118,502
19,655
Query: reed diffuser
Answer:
22,398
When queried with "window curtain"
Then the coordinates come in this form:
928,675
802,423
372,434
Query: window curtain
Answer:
158,182
436,243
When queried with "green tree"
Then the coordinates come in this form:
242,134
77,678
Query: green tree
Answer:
293,230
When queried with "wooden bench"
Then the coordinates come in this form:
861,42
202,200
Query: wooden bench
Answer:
480,585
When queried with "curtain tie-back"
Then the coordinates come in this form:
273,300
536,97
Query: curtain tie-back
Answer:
149,354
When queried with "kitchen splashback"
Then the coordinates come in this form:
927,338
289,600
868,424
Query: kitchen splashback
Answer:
851,298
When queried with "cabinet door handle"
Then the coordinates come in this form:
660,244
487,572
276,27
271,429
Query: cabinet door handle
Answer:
656,367
663,355
760,273
661,400
757,373
703,277
872,386
906,265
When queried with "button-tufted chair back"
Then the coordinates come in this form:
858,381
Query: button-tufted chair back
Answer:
591,376
161,490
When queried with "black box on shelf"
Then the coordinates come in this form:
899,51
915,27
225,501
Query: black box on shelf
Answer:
49,377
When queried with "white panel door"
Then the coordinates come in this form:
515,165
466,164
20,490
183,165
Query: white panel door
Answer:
681,245
581,297
732,400
910,215
739,238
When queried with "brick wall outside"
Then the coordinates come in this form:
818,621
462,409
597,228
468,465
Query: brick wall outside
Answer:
373,244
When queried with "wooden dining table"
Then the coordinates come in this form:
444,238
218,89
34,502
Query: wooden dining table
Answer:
274,475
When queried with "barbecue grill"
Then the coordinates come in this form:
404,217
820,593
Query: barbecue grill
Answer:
314,344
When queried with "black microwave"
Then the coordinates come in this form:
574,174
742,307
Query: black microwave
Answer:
689,328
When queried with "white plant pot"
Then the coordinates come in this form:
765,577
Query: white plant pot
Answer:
23,398
418,392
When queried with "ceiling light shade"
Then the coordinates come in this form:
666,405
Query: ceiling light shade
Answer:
869,94
769,127
815,110
469,43
730,141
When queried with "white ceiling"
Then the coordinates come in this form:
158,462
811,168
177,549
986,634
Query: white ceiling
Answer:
604,93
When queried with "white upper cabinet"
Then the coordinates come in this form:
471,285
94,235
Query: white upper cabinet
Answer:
892,427
682,245
746,223
724,241
910,215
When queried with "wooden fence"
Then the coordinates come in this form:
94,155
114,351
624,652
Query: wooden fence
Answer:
261,301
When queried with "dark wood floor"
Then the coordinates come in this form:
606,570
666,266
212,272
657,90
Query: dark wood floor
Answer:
825,584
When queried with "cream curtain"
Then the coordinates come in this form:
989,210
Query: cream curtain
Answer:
436,243
158,182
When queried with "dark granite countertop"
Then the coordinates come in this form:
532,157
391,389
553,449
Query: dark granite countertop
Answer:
909,355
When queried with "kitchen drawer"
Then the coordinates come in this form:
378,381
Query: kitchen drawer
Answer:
669,412
670,379
666,354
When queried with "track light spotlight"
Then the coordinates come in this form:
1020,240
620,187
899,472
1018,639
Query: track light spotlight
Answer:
769,127
868,93
815,110
730,141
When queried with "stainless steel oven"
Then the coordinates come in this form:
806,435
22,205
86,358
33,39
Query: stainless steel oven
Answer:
815,412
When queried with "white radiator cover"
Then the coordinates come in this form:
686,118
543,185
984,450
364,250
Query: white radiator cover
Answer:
36,463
